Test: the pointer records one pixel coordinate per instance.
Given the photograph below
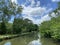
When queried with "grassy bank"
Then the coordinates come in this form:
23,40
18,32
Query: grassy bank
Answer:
6,37
10,36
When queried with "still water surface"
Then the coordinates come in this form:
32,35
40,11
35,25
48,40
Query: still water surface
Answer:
31,39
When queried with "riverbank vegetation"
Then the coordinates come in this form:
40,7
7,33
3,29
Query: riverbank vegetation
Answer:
20,26
51,28
9,10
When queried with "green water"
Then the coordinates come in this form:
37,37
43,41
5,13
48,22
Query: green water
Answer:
31,39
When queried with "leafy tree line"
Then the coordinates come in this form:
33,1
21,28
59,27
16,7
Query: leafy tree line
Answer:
23,25
19,25
52,28
7,10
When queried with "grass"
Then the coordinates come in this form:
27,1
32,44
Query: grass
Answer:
4,36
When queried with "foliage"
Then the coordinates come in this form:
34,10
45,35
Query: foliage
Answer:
51,28
9,28
23,25
3,28
7,10
17,26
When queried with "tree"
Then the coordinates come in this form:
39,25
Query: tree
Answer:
7,9
21,25
9,28
3,28
17,25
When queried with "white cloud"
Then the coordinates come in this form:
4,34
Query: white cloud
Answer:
15,1
53,14
55,0
30,11
38,21
32,3
34,11
38,3
45,18
37,11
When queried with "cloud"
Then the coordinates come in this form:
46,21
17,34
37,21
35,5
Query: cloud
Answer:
38,3
32,3
15,1
38,11
37,14
53,14
38,20
34,11
55,0
45,18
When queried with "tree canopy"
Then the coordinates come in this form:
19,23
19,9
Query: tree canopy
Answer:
52,28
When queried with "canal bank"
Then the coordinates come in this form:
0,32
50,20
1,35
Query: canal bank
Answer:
30,39
11,36
21,40
6,37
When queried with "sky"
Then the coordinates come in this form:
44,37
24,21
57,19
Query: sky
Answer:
37,10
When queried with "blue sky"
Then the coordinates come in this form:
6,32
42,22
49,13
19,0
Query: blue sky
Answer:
37,10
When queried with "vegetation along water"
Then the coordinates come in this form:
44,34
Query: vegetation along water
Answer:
23,31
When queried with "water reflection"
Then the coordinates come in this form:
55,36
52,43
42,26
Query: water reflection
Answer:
31,39
7,43
35,42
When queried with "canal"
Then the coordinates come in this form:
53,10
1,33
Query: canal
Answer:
31,39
